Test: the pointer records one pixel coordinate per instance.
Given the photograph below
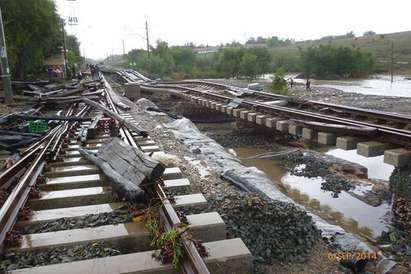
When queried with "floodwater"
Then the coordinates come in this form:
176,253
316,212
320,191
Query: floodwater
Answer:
346,210
376,85
376,167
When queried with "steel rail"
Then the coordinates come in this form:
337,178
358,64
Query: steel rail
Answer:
193,263
389,116
20,193
396,136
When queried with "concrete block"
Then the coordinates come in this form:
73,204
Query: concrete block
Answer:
309,134
347,142
271,122
182,183
190,200
371,149
327,138
282,126
72,198
172,173
236,112
150,148
40,217
213,105
229,110
210,226
244,114
227,256
218,106
399,157
72,170
260,119
295,129
223,109
72,182
251,117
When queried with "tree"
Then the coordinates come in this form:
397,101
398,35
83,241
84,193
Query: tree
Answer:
369,33
327,61
248,65
33,33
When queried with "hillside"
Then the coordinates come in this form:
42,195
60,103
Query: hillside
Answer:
379,45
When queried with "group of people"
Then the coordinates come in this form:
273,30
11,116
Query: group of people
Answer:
307,84
55,72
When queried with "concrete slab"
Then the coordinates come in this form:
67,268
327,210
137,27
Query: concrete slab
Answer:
327,138
72,182
236,112
172,173
282,126
70,161
40,217
76,153
146,142
223,109
371,149
347,142
260,119
182,183
251,117
210,226
294,129
244,114
88,146
271,122
72,170
227,256
117,234
309,134
150,148
399,157
190,200
72,198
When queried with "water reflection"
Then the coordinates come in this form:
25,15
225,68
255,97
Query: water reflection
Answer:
363,216
376,167
346,210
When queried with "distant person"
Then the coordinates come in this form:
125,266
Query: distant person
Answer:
308,85
291,83
50,73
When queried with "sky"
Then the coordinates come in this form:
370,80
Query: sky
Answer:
104,24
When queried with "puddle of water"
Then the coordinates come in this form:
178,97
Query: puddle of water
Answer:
346,210
368,220
376,167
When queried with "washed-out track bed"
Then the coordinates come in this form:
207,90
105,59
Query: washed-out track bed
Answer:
78,224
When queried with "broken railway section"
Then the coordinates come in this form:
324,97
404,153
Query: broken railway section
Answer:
46,217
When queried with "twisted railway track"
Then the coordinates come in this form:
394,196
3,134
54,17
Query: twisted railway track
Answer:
45,220
371,132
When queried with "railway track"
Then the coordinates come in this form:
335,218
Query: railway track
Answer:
372,133
62,216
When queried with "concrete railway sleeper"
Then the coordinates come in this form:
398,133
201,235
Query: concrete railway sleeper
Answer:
77,211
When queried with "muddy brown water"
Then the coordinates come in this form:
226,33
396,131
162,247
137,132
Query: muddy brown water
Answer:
347,211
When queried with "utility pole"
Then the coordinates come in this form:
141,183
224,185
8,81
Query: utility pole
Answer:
392,62
5,70
64,47
124,49
148,42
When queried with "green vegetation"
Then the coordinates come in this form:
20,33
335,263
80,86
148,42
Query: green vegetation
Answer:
33,33
182,62
336,62
279,84
379,45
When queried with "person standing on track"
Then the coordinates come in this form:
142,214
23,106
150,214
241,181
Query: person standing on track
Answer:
308,85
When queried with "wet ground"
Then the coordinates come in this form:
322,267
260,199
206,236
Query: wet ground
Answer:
346,210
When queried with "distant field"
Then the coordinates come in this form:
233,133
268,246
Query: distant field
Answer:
379,45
